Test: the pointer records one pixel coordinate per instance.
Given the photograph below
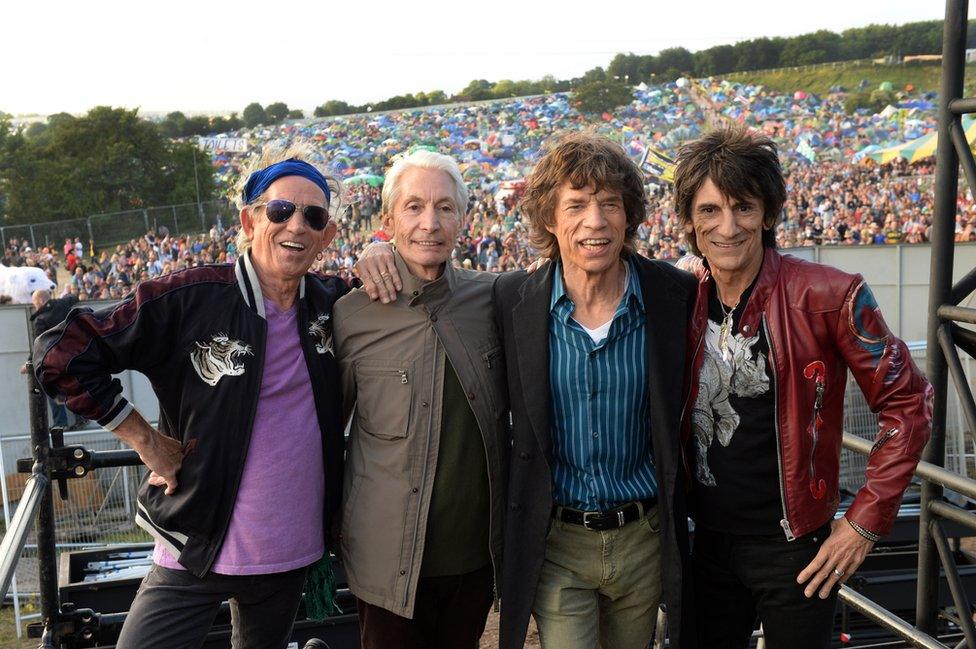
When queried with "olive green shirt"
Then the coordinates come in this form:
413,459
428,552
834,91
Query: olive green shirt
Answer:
457,524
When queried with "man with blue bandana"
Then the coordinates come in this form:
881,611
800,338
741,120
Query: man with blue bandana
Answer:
245,468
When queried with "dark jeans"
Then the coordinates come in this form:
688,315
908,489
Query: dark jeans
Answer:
59,414
175,610
448,613
739,578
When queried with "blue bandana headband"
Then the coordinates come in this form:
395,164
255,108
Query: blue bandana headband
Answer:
259,181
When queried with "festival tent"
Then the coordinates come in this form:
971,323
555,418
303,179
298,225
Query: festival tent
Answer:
866,151
921,147
472,171
370,179
888,111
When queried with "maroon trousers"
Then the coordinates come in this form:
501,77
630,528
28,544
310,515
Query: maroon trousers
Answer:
449,613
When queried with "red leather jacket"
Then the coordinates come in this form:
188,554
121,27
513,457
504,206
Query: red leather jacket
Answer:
820,322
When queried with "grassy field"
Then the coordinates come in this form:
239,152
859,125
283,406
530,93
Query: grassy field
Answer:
8,632
924,77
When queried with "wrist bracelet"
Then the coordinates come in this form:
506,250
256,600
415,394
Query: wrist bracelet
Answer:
870,536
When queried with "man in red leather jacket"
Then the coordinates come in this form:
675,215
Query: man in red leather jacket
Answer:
772,340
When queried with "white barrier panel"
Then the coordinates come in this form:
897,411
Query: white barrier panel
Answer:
899,277
14,349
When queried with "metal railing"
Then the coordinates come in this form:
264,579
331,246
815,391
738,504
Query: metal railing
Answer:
119,227
20,526
945,338
52,464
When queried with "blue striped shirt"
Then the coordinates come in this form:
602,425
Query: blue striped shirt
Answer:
600,412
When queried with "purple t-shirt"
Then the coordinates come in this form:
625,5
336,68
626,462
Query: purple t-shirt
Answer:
276,525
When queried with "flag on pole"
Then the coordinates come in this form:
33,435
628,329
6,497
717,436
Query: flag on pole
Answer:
656,164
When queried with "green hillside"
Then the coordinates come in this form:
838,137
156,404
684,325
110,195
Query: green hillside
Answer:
924,77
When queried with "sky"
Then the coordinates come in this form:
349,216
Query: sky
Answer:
216,55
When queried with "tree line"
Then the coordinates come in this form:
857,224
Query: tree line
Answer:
176,124
113,160
821,46
106,161
598,84
598,89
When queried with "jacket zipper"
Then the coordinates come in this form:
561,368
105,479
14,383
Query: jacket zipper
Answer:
882,440
491,492
404,376
815,434
785,522
491,527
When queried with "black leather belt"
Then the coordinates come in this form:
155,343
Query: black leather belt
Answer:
608,520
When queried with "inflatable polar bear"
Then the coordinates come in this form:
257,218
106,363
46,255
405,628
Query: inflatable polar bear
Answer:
20,282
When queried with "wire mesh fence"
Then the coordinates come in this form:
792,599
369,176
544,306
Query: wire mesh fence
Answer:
102,230
859,420
99,511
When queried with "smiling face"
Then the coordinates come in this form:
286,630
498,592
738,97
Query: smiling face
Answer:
590,227
424,220
727,231
285,251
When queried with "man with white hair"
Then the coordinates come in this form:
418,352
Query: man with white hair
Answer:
424,492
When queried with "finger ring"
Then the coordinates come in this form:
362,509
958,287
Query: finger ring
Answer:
839,573
385,275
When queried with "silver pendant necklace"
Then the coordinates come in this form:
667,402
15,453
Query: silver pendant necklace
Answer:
725,330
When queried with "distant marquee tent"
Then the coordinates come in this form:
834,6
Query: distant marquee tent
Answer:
917,149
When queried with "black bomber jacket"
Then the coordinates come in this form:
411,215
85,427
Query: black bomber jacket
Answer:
199,337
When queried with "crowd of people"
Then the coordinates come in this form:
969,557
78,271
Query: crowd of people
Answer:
113,272
833,200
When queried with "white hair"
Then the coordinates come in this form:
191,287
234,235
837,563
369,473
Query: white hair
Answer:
424,159
277,152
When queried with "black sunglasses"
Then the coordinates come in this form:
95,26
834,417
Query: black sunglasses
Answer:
279,210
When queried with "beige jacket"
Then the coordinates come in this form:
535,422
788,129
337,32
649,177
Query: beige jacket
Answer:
392,363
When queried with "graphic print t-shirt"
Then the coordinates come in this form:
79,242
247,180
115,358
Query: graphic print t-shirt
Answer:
736,474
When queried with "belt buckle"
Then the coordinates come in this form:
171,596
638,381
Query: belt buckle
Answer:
587,516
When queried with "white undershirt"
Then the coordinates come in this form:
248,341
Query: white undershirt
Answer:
599,333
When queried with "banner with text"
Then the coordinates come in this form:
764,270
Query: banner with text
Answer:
223,144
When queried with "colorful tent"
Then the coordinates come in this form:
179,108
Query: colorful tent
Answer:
369,179
922,147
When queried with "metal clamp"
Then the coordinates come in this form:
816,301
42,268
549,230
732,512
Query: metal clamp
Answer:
64,462
82,624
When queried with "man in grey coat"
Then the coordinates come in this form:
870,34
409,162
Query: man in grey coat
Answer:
424,375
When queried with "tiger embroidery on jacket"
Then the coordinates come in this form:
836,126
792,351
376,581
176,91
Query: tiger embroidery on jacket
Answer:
321,331
218,358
